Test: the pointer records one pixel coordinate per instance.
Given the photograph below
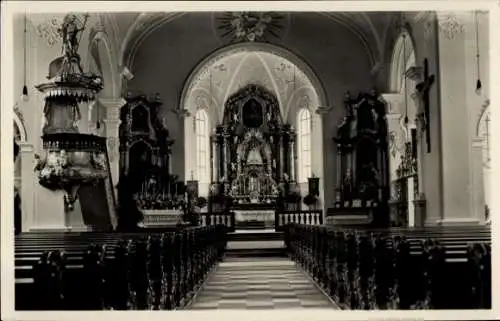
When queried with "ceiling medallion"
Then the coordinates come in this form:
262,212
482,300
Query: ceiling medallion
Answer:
250,26
450,26
49,30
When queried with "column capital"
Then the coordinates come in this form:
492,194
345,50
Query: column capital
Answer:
25,147
111,121
116,102
393,116
393,100
477,142
112,106
323,110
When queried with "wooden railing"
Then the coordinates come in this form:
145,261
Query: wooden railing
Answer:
226,219
283,218
139,271
429,268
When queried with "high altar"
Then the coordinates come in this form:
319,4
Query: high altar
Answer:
253,157
362,187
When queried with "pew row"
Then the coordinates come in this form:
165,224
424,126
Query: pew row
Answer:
137,271
437,268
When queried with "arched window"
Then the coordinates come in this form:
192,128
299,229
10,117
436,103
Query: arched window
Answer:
484,132
202,133
304,128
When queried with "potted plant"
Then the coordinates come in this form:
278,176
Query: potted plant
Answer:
201,202
310,200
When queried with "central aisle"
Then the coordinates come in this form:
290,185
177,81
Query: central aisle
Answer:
259,283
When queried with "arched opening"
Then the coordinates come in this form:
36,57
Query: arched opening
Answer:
276,71
19,138
17,181
404,174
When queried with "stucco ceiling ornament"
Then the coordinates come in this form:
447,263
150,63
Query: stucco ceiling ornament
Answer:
202,101
449,26
304,101
250,26
49,30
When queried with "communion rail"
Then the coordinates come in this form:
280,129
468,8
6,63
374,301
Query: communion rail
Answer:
283,218
135,271
425,268
226,219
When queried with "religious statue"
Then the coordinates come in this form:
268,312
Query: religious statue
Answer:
348,104
365,116
368,180
252,184
347,185
69,32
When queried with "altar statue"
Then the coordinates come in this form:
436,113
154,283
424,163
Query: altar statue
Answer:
252,184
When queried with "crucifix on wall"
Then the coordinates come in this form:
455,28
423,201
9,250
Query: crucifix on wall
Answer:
424,88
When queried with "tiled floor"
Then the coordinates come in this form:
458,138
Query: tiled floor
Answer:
259,283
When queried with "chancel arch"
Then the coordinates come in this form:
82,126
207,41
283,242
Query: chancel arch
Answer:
228,69
268,75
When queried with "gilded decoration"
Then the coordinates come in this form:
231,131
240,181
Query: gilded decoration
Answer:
250,26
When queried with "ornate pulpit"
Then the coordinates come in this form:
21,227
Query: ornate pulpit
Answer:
362,164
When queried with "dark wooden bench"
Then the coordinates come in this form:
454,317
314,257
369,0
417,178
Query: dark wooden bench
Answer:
435,267
95,271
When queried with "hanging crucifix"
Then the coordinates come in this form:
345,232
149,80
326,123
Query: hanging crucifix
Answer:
423,88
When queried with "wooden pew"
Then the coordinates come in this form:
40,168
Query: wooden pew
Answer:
94,271
441,268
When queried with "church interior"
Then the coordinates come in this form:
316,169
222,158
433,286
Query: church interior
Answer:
252,160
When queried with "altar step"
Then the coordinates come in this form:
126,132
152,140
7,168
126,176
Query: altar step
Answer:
263,248
255,235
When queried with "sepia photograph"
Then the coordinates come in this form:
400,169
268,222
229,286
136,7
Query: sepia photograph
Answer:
241,159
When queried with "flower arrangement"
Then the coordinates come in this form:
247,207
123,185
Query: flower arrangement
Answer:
159,202
201,202
310,200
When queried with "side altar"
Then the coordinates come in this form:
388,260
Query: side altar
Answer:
148,192
362,188
253,159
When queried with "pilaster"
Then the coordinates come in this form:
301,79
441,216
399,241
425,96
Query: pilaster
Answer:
317,158
455,134
28,177
112,124
477,194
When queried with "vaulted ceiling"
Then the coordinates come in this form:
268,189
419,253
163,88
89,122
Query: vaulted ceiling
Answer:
232,69
130,29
